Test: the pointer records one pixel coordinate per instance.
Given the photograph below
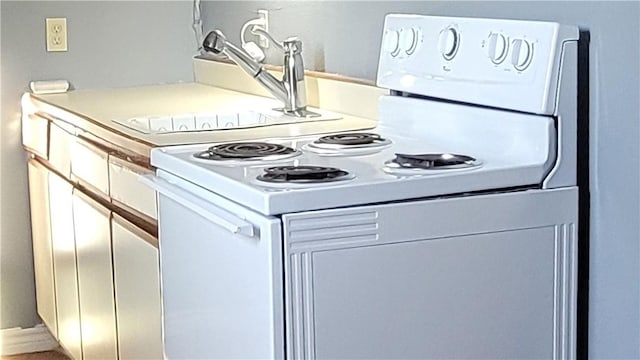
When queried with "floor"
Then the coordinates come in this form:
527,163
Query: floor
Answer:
46,355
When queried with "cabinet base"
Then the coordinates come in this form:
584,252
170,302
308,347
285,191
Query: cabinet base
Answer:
20,341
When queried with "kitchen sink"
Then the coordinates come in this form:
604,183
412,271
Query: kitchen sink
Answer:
209,121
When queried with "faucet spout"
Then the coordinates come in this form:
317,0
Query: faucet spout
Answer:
290,90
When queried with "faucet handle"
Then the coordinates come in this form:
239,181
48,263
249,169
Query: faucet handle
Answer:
257,30
293,46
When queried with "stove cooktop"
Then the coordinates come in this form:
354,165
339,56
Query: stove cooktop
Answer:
459,149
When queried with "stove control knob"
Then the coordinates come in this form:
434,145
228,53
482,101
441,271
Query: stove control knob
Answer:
409,40
391,42
449,42
521,54
497,48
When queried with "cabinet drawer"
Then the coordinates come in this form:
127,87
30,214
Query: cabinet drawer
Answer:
127,190
61,140
89,165
35,134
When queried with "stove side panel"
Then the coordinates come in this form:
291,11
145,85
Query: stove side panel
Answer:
221,290
480,276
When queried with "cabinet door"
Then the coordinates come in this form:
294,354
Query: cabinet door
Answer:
95,281
64,262
137,291
42,250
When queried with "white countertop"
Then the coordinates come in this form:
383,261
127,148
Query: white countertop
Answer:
92,110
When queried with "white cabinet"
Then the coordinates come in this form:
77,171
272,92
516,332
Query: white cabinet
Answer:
95,280
137,291
42,249
87,266
64,262
76,181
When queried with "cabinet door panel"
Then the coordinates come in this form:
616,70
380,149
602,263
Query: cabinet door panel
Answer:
64,260
137,291
42,249
95,280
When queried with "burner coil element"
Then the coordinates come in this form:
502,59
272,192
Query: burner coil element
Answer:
302,174
348,144
350,139
433,161
246,151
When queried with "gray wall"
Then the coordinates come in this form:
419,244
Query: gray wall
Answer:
344,37
111,44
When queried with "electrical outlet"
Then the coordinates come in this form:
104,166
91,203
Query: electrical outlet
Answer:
263,15
56,34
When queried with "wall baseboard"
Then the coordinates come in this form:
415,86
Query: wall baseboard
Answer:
20,341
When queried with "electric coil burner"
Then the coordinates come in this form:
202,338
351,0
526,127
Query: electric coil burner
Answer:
351,139
303,174
433,161
247,151
355,143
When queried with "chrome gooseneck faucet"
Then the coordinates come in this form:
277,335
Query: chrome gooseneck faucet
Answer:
290,90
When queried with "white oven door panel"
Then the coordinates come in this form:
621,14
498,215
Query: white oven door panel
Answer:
222,291
470,277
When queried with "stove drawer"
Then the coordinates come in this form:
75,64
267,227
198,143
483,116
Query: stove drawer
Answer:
126,189
89,165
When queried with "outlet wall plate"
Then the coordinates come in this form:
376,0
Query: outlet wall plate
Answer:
263,15
56,34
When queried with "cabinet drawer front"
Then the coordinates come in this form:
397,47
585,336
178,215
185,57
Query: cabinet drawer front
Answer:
128,190
61,139
35,134
89,165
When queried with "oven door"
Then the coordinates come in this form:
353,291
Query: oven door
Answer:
221,275
489,276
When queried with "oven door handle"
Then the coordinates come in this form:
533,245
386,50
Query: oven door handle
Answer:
201,207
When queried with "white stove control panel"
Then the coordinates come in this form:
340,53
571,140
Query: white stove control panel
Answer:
508,64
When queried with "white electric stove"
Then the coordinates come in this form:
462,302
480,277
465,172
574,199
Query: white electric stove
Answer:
447,231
